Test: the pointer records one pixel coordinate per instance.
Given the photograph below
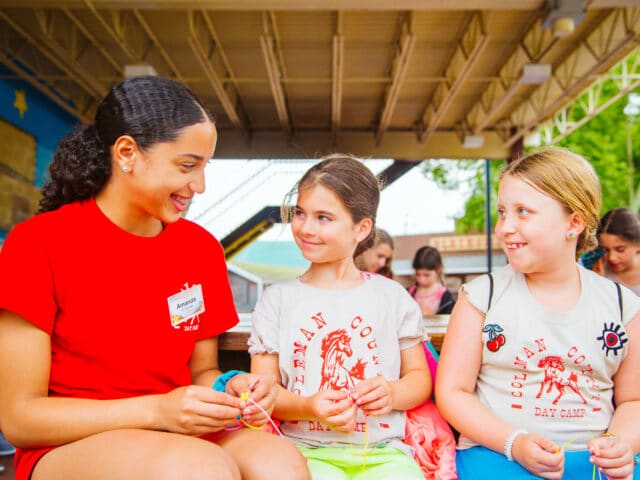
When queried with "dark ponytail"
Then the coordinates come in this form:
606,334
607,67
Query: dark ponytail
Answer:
80,168
150,109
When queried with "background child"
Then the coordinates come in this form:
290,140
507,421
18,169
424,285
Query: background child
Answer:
378,258
619,236
432,296
345,344
117,302
534,362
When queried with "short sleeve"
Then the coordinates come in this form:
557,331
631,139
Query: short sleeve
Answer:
26,279
265,329
221,314
477,291
410,324
630,304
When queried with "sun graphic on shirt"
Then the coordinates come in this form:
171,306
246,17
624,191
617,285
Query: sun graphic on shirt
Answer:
612,338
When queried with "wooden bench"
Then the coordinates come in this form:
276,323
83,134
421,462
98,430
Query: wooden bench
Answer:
235,340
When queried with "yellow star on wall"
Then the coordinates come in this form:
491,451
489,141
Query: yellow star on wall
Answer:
21,102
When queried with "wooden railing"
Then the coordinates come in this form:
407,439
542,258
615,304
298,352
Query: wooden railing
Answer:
435,326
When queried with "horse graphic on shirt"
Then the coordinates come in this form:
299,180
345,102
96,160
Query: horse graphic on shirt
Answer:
553,368
335,350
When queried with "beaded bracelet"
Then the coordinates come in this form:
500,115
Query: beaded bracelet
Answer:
508,443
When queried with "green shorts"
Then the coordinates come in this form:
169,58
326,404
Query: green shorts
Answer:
345,463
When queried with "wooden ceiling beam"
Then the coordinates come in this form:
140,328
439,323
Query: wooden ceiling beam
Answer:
398,145
337,71
399,66
53,59
215,80
96,44
46,91
275,72
306,5
532,48
605,46
156,42
471,45
115,35
50,31
621,79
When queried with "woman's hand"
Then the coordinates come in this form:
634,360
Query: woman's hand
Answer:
334,409
261,389
539,455
196,410
613,456
374,396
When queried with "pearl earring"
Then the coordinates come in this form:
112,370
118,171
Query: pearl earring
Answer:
125,169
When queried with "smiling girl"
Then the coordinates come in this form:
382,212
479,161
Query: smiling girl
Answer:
540,367
113,304
619,236
344,344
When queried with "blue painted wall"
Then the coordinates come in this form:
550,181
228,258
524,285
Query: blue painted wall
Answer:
43,119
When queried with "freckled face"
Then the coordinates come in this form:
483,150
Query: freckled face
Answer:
531,226
169,173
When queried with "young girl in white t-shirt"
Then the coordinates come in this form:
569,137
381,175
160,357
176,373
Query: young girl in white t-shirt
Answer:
344,344
540,367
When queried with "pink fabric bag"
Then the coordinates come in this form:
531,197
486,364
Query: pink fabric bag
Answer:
430,436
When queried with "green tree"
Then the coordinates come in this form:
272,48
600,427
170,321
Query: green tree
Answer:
450,175
603,141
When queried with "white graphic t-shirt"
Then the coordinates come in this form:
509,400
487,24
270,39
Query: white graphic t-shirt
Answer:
333,339
550,372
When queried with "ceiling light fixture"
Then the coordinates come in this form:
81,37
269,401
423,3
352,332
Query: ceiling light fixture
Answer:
138,70
535,73
563,16
472,141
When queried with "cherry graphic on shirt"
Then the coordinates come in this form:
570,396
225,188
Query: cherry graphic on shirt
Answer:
496,339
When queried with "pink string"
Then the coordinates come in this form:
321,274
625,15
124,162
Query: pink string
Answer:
264,412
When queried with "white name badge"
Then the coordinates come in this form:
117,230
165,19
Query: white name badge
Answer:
186,305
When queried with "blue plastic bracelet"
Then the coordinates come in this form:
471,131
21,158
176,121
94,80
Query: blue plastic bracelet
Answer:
221,382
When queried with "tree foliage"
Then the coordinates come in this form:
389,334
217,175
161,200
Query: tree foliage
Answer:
603,141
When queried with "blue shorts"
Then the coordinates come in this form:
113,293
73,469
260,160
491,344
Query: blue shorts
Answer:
480,463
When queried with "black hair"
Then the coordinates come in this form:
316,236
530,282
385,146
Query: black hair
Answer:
427,258
621,222
150,109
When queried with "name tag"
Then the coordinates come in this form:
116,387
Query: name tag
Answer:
185,305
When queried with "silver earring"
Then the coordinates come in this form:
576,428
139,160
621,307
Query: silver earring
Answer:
125,169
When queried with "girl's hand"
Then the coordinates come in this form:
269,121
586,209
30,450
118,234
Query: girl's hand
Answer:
612,456
374,396
539,455
196,410
335,409
262,389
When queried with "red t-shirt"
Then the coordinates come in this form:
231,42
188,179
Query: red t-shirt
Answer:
104,297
